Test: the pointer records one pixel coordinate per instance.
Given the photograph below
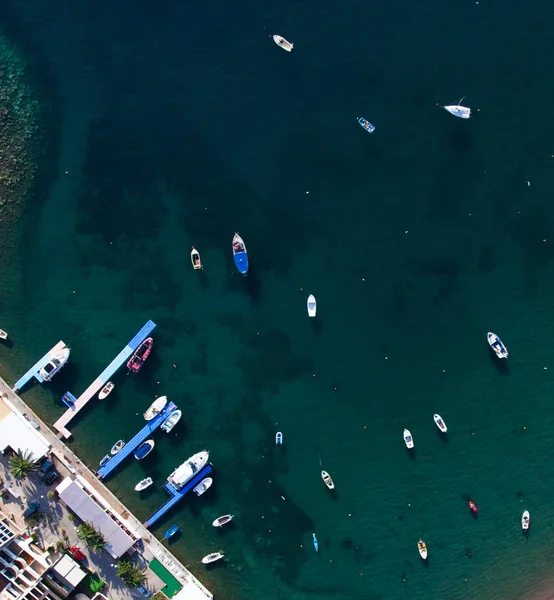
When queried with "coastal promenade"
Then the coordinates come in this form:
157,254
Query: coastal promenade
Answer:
150,549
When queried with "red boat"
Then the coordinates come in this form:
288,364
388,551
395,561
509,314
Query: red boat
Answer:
141,354
473,507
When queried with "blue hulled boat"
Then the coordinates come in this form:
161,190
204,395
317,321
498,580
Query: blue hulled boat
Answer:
366,125
240,255
316,545
144,449
171,531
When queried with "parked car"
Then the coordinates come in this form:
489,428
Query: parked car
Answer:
51,477
142,590
46,466
31,509
77,553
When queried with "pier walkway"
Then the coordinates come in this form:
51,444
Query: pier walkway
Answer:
33,371
135,441
102,379
177,495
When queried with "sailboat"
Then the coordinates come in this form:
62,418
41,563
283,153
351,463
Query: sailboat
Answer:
240,255
462,112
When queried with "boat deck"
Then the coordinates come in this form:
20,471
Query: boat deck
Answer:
102,379
135,442
33,371
177,495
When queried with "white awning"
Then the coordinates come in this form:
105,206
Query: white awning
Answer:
17,433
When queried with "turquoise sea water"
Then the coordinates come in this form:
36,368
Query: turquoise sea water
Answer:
171,125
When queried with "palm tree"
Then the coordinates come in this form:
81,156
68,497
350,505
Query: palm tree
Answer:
131,573
22,463
91,536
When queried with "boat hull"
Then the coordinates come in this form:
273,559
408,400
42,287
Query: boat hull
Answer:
311,305
283,43
203,486
155,408
195,259
188,469
422,549
462,112
106,390
327,480
366,125
171,421
117,447
525,520
408,439
142,485
316,543
144,449
210,558
171,531
220,521
440,423
240,255
497,345
134,364
54,365
278,438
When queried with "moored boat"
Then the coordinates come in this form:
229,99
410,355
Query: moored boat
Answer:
462,112
316,543
155,408
54,364
144,449
171,421
240,255
312,305
282,43
195,259
105,391
366,125
210,558
525,520
188,469
422,548
440,423
117,447
203,486
171,531
220,521
140,355
3,335
105,460
408,439
496,344
279,438
142,485
327,480
473,507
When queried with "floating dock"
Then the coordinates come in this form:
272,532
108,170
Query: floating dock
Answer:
101,380
33,371
177,495
135,442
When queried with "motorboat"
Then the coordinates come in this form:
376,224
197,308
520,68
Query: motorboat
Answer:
195,259
312,305
463,112
3,335
408,439
240,255
188,469
155,408
105,460
171,531
171,421
473,507
422,548
279,438
105,391
316,544
327,480
496,344
440,423
140,355
525,520
144,449
220,521
282,43
366,125
210,558
203,486
117,447
142,485
54,364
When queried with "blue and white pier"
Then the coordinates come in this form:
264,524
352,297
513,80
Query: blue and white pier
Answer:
76,404
34,370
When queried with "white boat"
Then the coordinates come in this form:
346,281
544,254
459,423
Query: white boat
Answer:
3,335
171,421
282,43
440,423
203,486
220,521
408,439
54,364
422,547
279,438
188,469
496,344
525,520
105,391
195,259
327,480
117,447
155,408
463,112
312,305
210,558
142,485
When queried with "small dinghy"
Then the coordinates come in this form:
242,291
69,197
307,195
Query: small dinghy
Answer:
240,255
316,544
327,480
210,558
282,43
105,391
312,306
422,548
279,438
496,344
473,507
440,423
408,439
105,460
140,355
525,520
171,531
155,408
117,447
203,486
366,125
220,521
195,259
142,485
3,335
144,449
